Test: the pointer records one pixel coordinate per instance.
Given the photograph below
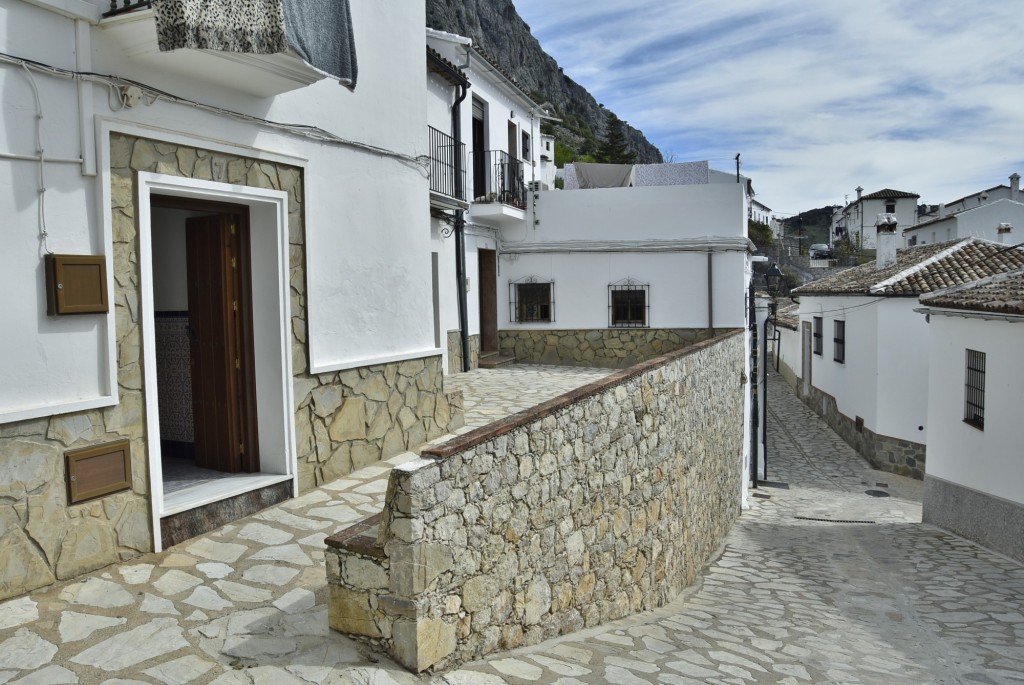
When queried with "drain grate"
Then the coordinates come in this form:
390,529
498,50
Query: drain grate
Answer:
811,518
876,493
762,495
772,484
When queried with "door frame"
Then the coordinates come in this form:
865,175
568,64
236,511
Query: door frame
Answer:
487,277
268,216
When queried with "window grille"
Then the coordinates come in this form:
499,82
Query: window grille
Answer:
818,345
974,390
628,304
531,300
839,341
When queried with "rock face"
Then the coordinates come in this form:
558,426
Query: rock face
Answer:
496,27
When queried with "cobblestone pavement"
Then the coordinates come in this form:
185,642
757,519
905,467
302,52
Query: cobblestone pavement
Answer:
790,600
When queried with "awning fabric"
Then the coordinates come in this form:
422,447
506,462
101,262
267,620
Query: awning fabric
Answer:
317,31
604,175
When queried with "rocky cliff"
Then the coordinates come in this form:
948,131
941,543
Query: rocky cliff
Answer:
496,28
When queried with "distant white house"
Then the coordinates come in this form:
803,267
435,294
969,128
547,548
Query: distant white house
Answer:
862,360
975,393
760,212
989,214
856,221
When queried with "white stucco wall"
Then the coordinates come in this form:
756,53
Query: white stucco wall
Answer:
789,351
989,460
981,222
854,384
649,213
864,214
902,370
367,224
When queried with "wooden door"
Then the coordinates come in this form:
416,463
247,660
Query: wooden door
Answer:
805,356
488,277
220,322
513,140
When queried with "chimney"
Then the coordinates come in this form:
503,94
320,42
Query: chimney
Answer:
1003,232
885,245
1014,186
942,210
860,191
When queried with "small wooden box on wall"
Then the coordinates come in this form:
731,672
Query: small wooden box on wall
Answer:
76,284
98,470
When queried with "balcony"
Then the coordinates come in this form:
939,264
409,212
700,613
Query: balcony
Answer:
132,29
447,171
499,187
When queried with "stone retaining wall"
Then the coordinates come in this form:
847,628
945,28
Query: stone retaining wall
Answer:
885,453
600,503
607,348
344,420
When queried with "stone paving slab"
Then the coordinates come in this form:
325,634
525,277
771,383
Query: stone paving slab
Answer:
790,600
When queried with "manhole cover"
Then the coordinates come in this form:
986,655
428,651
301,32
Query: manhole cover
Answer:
876,493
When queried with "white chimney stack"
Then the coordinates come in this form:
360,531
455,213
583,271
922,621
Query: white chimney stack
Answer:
1014,186
885,245
942,210
1003,232
860,191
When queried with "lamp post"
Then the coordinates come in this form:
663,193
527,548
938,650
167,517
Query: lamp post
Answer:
773,281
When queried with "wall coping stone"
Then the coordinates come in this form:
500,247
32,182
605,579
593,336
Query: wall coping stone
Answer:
360,538
509,423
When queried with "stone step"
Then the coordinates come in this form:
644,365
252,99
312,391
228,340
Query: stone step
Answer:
492,360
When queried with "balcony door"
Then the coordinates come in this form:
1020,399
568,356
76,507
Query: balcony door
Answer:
479,149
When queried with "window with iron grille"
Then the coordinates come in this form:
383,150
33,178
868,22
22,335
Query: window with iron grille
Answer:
818,345
531,300
628,305
839,342
974,390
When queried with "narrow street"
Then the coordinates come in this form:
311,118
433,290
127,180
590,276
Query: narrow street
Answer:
819,582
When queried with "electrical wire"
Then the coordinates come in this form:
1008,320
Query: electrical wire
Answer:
43,233
152,94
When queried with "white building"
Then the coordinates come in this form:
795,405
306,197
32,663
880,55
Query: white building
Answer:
256,295
990,214
856,221
498,126
862,360
975,391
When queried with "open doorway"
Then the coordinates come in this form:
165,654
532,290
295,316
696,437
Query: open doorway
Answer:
202,291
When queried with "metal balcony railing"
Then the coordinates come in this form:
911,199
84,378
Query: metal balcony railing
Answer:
447,165
498,177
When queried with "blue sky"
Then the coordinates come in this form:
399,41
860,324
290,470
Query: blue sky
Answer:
818,96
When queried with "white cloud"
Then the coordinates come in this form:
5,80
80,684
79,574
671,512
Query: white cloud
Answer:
819,97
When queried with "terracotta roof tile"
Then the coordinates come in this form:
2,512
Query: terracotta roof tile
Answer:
887,194
922,269
1002,293
788,316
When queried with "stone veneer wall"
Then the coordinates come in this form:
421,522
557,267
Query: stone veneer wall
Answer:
455,351
885,453
600,503
608,348
344,420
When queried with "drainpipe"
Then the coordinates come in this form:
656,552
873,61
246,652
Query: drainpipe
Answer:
754,410
460,231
